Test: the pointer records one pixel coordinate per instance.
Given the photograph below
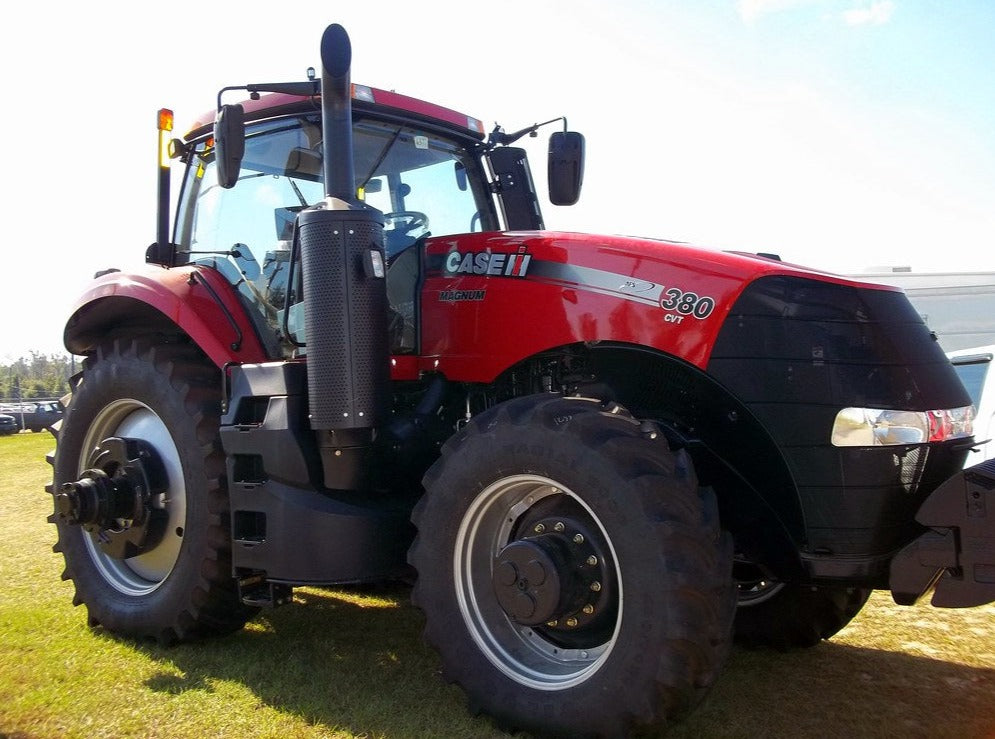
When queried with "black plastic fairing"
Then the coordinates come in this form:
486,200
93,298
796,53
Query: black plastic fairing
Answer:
795,351
283,522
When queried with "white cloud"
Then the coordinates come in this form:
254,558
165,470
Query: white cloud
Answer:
750,10
862,12
876,14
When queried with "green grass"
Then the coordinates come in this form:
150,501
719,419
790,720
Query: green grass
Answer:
351,664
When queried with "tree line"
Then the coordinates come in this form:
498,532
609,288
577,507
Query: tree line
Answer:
37,376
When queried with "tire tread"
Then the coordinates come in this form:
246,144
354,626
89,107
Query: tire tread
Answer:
698,585
211,605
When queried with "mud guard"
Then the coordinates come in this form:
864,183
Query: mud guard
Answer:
957,554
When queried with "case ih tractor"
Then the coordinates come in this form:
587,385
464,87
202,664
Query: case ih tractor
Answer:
360,356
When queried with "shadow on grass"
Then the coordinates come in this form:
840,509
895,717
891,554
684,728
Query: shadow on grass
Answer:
363,669
841,690
338,665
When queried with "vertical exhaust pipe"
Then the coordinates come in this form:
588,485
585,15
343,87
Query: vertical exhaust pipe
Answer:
345,293
336,114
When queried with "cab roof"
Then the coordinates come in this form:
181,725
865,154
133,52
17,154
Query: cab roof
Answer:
363,98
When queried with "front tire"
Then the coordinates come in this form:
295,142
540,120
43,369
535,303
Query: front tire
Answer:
179,585
573,577
783,616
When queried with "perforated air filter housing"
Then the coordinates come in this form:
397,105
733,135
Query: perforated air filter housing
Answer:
345,318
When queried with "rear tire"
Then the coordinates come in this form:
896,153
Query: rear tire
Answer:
545,477
181,586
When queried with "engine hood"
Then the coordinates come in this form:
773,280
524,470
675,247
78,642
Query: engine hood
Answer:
637,256
491,299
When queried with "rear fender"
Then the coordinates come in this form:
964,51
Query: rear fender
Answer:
192,301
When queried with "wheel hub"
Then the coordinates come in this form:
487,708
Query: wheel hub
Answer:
119,498
527,580
554,577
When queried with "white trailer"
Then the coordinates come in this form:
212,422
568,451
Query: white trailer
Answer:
958,306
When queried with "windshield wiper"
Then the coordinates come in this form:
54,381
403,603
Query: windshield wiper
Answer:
383,155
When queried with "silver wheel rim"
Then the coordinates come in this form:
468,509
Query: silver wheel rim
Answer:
520,652
143,574
754,583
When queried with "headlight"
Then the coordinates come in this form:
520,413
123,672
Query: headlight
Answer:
875,427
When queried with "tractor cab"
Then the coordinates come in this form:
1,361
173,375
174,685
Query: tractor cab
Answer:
426,169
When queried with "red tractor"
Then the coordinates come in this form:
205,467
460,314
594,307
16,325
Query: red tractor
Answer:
361,356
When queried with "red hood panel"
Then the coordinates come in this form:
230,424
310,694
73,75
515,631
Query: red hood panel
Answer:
490,300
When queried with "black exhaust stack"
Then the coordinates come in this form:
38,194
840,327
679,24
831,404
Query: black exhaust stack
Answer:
345,293
336,114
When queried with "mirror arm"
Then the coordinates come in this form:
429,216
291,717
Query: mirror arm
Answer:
499,137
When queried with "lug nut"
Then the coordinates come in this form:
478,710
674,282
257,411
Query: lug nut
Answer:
578,538
559,526
539,528
588,609
571,622
552,623
592,560
596,586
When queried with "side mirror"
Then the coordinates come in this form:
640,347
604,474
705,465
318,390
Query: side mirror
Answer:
566,167
461,180
229,143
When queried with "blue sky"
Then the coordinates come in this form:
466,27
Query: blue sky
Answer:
841,134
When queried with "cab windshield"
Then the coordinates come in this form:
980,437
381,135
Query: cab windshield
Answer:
424,183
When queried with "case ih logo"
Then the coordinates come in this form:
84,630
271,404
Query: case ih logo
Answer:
498,264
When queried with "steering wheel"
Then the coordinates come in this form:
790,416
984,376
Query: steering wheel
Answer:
405,221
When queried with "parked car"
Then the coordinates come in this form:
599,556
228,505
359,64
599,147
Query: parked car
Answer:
975,369
36,415
8,425
45,414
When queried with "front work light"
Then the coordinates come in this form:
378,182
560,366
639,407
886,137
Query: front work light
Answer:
877,427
